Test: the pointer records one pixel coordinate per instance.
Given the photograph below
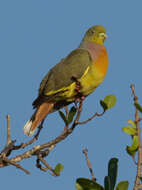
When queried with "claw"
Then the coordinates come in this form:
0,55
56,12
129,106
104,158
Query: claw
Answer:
79,96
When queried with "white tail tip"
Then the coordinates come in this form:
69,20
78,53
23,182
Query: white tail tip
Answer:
27,128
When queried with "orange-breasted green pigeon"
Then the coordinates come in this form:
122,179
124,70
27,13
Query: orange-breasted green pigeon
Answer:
87,65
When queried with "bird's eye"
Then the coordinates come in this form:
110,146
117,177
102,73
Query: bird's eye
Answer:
102,34
91,32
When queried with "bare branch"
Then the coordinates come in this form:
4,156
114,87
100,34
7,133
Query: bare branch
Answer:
40,151
137,122
47,166
8,130
92,117
85,152
67,113
134,159
16,165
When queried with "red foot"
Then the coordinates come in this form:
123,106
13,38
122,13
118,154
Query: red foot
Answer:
79,96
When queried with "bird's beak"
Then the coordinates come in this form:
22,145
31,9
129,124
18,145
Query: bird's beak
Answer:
105,35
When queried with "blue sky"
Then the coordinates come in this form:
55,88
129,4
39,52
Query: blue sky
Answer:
34,36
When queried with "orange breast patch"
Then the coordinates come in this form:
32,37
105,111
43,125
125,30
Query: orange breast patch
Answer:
102,62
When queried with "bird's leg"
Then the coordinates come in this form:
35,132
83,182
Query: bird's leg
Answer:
79,96
78,85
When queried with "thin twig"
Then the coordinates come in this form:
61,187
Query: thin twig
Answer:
15,164
133,158
38,165
67,113
78,113
8,130
137,122
92,117
43,154
9,147
85,152
47,166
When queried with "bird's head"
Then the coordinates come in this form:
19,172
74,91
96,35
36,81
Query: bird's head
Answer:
96,34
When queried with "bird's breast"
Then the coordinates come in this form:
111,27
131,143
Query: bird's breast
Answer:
96,72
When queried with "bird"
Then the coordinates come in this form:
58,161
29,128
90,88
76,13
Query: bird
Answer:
73,78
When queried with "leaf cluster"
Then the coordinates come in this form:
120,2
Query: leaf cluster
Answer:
132,131
109,180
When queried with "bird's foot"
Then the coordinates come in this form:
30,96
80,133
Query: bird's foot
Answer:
79,100
78,85
79,96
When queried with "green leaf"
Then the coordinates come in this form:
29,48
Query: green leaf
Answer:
112,172
141,179
122,185
63,117
132,123
59,167
87,184
108,102
131,150
129,130
107,183
103,104
139,107
71,115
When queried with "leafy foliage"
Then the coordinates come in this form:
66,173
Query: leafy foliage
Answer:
132,130
67,120
139,107
62,115
59,167
71,115
132,123
112,172
131,150
109,180
108,102
107,183
87,184
123,185
129,130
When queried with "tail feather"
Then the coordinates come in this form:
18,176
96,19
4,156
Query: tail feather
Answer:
27,128
41,112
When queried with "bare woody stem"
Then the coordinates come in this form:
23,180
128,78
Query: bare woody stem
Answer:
35,151
85,152
40,151
8,130
137,122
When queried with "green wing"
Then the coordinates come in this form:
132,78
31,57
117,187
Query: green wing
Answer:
60,76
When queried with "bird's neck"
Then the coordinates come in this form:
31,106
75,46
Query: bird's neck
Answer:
93,48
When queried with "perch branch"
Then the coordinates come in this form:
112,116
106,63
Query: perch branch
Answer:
35,150
40,151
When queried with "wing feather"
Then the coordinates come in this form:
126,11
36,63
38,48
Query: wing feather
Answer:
60,76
